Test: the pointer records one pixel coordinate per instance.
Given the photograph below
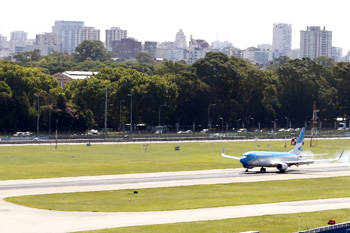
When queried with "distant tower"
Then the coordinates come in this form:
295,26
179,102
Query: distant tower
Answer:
180,39
282,39
68,34
87,33
315,42
114,34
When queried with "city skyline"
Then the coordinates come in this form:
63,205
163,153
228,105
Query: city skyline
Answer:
244,24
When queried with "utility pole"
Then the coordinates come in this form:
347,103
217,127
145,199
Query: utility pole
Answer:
106,111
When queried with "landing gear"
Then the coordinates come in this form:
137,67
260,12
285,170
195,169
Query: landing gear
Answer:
262,170
247,170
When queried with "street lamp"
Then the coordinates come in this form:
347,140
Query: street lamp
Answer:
105,131
209,121
222,124
120,114
130,112
159,112
287,121
274,123
37,122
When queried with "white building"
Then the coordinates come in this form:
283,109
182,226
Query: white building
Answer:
294,54
197,49
68,34
337,54
180,40
47,39
282,39
315,42
114,34
87,33
265,47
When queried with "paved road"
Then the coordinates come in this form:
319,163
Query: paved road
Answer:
14,218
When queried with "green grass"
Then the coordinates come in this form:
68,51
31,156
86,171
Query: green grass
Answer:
21,162
284,223
24,162
191,197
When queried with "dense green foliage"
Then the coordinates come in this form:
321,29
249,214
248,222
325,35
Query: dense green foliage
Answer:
239,93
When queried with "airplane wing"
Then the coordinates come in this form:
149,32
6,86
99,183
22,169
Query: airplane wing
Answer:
228,156
311,155
304,161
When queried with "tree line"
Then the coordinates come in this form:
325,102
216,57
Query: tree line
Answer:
216,90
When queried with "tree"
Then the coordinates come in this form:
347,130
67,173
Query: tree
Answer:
144,58
301,83
93,49
29,56
324,61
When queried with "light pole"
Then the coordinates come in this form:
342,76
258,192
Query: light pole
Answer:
253,122
120,114
37,122
106,111
130,112
222,124
274,124
299,220
287,121
164,105
209,120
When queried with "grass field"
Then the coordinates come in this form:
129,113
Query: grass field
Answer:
191,197
284,223
24,162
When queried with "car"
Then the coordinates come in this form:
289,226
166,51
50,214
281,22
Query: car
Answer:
242,130
93,131
205,131
22,134
185,132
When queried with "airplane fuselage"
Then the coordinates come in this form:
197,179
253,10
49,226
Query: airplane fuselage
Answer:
252,159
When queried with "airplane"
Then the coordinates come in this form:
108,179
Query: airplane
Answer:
280,160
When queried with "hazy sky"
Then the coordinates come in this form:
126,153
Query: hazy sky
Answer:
245,23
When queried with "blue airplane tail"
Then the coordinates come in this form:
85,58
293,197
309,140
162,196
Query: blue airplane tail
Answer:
299,144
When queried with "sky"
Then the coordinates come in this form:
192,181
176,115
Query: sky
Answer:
244,23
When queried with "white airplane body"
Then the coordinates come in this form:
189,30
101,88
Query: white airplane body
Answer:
280,160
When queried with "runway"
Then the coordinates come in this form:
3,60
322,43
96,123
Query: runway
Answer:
16,218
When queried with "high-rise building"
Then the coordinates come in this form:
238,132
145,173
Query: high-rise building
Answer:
315,42
47,39
197,49
114,34
87,33
46,43
337,54
19,36
68,34
127,48
151,48
180,39
282,39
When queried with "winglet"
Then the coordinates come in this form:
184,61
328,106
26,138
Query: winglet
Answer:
341,154
228,156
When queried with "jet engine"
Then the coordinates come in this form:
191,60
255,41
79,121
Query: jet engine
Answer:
282,167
